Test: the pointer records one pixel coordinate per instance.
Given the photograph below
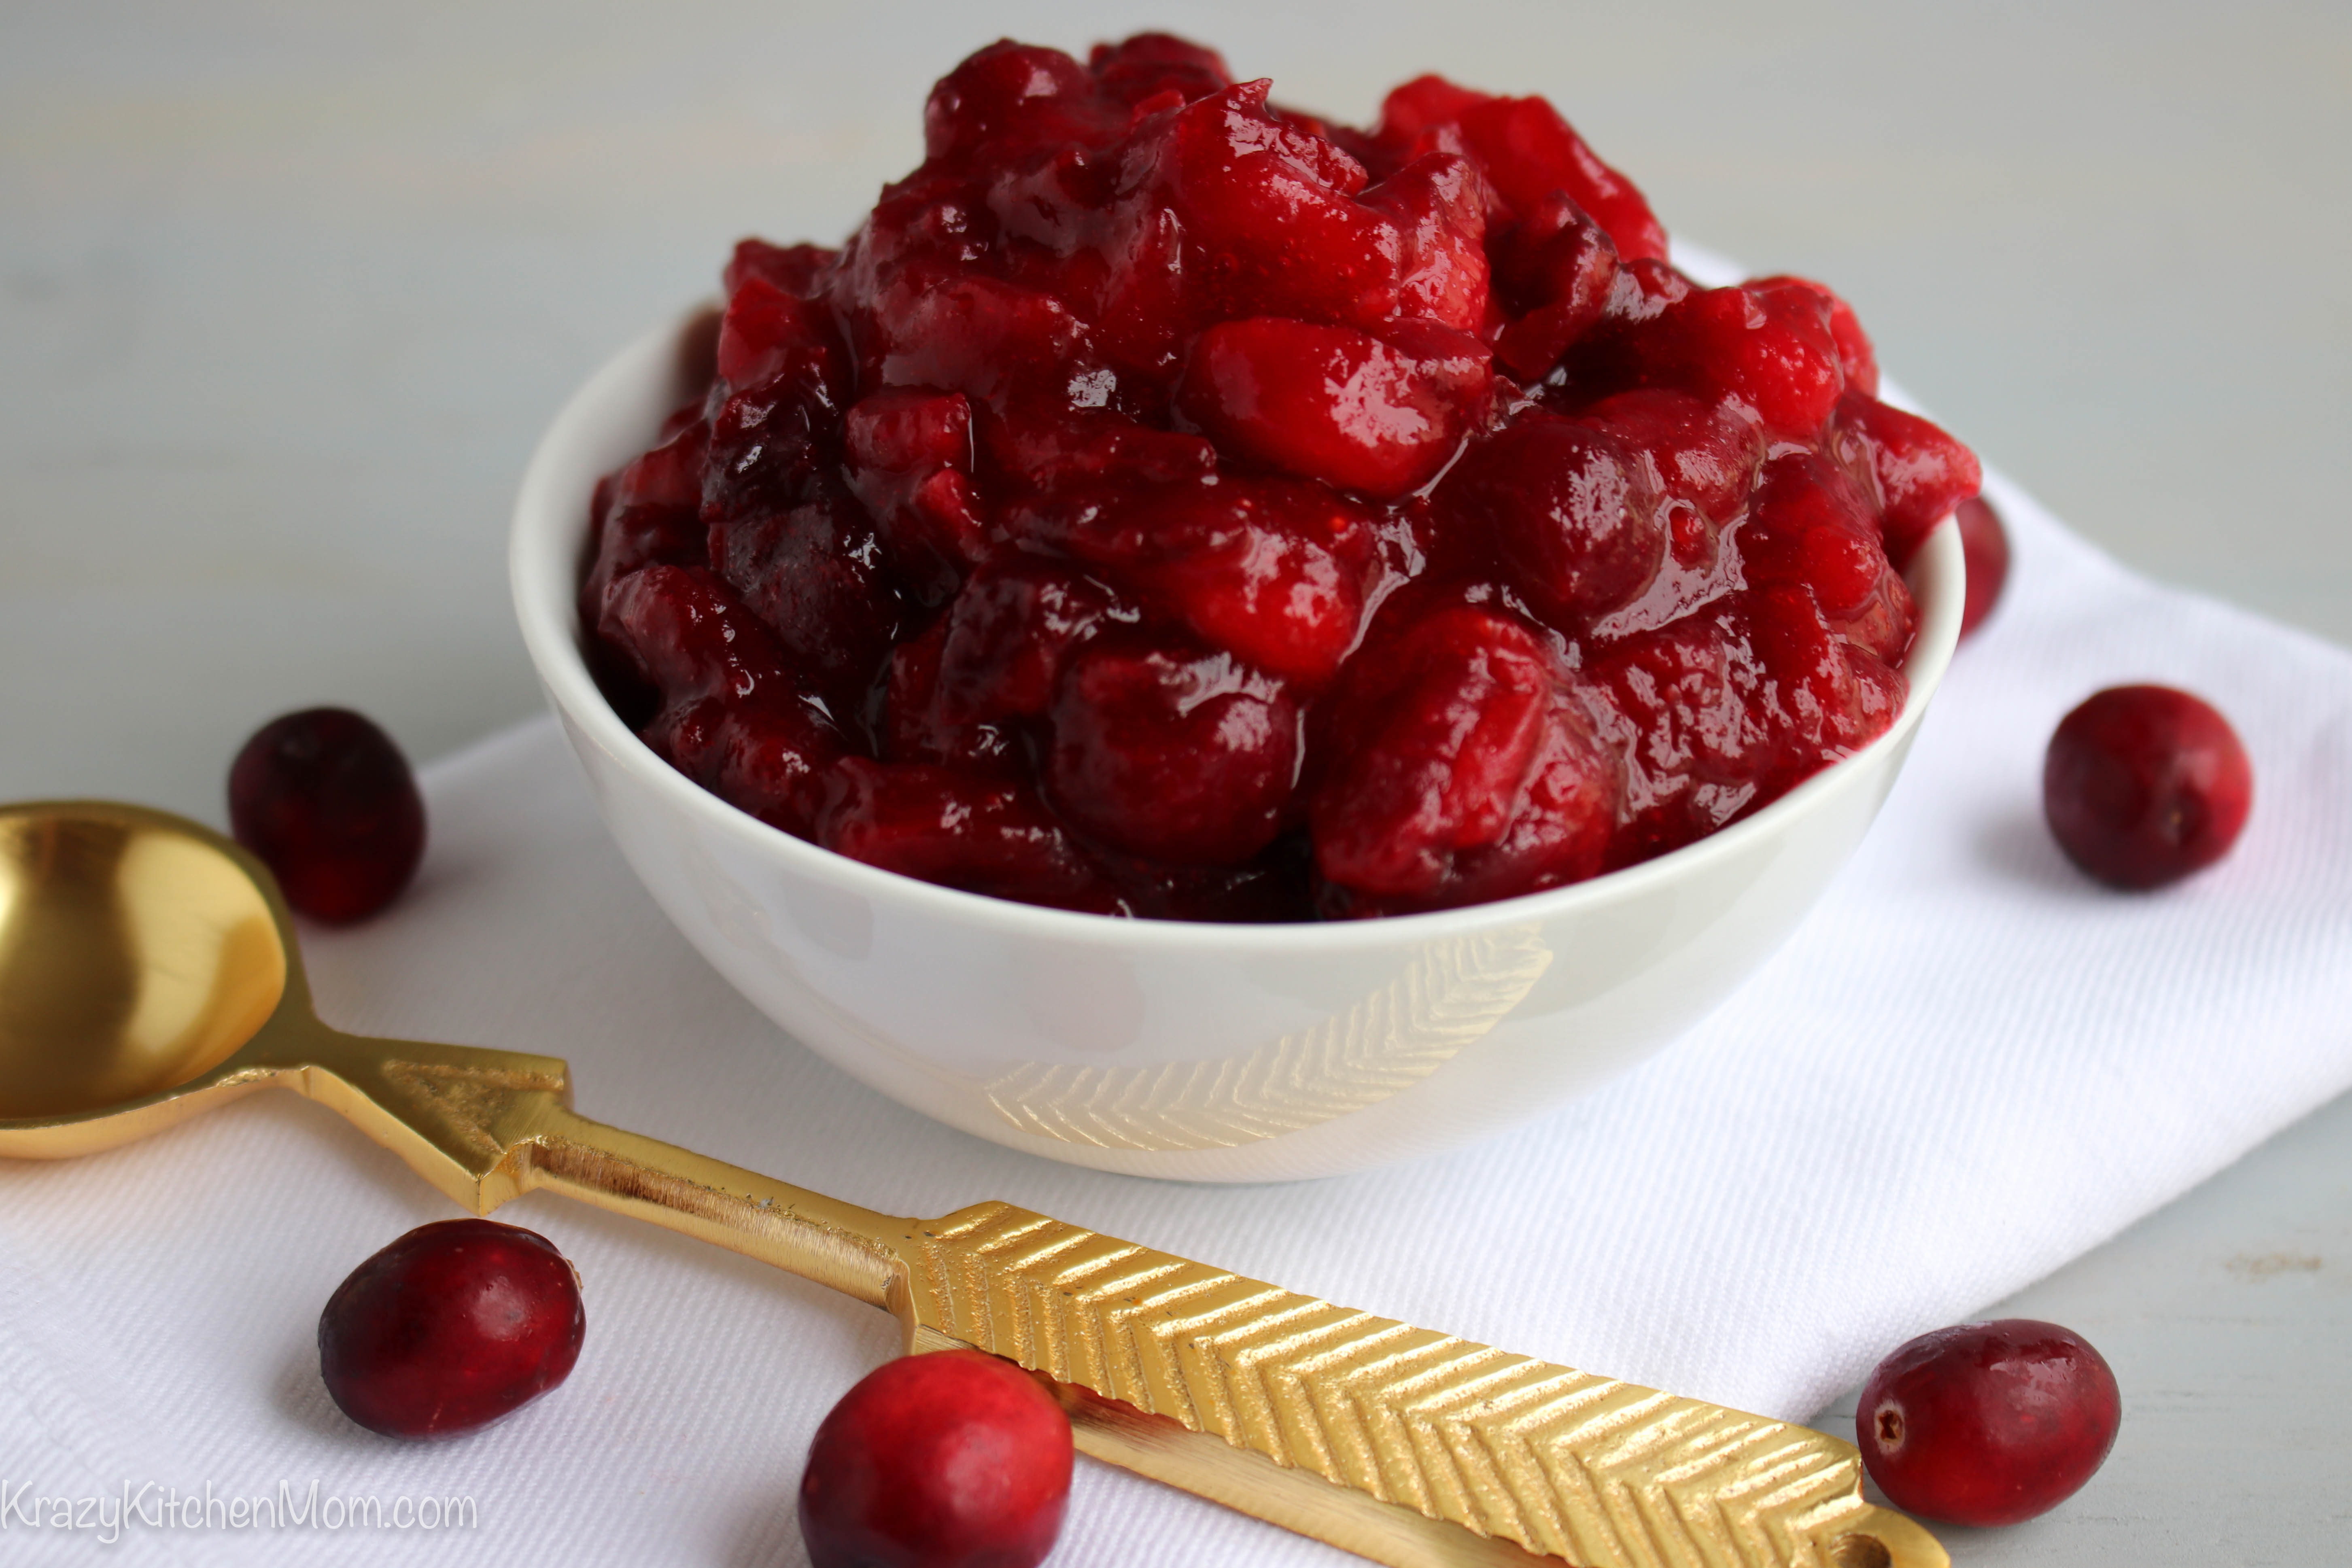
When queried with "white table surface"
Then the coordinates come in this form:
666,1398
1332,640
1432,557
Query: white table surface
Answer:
286,294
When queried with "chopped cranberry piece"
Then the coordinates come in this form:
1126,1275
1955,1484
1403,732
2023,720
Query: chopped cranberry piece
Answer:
795,268
1037,541
763,327
1061,205
1005,637
906,430
2144,785
957,828
1834,697
1218,178
1987,1423
1273,571
1922,472
917,727
1150,64
1689,708
1087,450
452,1327
653,514
326,801
1526,150
1768,349
1559,833
773,445
1558,268
1334,403
995,341
732,718
1693,450
1885,624
1008,92
1437,736
1813,525
1438,203
910,461
690,636
1571,507
765,755
813,575
1646,289
1555,252
1857,357
1984,544
955,1459
1171,753
1420,105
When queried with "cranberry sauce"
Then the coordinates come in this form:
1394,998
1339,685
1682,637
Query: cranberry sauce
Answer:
1171,504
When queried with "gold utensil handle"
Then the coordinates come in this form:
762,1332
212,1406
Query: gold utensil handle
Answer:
1411,1448
486,1126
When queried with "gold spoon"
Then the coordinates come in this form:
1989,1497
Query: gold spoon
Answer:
148,970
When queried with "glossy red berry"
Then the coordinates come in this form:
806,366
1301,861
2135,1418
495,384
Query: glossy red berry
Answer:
451,1328
951,1460
1263,388
2144,785
327,801
1984,543
1922,472
1987,1423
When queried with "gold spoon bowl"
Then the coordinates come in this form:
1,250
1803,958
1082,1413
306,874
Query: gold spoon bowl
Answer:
134,959
149,970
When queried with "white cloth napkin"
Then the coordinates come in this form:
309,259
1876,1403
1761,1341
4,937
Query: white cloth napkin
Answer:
1971,1064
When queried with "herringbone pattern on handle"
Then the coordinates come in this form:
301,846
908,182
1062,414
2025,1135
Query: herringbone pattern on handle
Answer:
1599,1473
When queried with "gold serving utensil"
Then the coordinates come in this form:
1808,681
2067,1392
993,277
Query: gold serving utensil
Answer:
149,970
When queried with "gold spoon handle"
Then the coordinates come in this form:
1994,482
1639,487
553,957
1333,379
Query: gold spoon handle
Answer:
1409,1446
802,1232
486,1125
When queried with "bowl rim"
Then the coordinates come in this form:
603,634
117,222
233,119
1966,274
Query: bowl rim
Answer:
543,556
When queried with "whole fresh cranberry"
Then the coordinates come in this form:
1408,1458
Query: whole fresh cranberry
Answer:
1987,1423
1984,544
452,1327
2143,784
953,1460
327,801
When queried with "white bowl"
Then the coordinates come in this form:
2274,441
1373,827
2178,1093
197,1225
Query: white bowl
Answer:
1219,1053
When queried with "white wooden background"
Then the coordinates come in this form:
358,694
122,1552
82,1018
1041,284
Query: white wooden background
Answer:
287,291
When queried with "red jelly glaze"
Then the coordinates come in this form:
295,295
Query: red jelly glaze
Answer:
956,1460
1109,523
1987,1423
1984,544
326,800
2144,785
452,1327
